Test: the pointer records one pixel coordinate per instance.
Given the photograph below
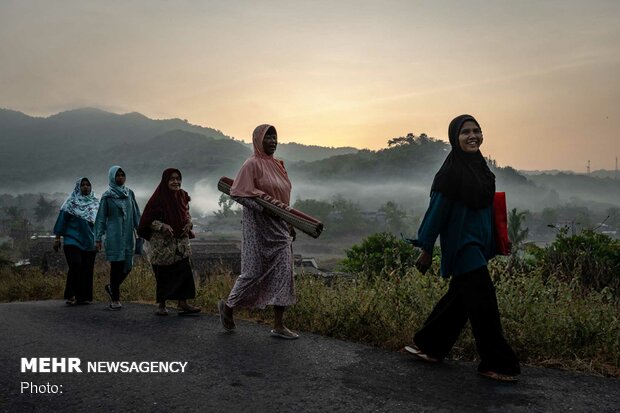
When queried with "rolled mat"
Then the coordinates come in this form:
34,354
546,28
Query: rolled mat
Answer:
296,218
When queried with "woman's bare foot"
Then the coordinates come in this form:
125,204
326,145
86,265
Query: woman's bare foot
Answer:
284,332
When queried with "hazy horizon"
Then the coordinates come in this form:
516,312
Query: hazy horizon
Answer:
541,77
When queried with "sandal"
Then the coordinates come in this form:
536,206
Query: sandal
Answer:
227,322
161,311
506,378
285,334
413,349
189,310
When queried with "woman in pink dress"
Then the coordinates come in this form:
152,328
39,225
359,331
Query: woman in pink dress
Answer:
267,257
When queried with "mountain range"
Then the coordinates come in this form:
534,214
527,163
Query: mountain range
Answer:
48,154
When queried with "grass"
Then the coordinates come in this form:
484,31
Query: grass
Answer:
548,322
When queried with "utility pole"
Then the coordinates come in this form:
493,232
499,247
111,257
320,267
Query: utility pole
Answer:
616,171
588,167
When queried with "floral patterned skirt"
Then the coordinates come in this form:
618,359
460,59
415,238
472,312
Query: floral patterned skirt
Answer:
266,263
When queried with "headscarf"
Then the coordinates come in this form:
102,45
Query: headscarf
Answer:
167,206
81,206
465,177
262,173
118,193
115,190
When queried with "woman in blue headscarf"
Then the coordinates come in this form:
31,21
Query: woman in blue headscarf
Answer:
75,224
117,220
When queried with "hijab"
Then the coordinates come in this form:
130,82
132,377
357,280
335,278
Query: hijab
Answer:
262,173
465,177
119,193
81,206
115,190
168,206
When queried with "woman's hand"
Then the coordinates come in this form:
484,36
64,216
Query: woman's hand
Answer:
56,245
187,228
424,262
292,231
167,230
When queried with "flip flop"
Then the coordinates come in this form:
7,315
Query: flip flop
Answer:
194,310
274,333
420,354
506,378
161,312
226,322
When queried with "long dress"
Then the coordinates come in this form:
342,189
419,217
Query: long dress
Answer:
170,259
266,261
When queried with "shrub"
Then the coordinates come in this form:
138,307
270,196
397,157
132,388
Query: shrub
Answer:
380,255
592,258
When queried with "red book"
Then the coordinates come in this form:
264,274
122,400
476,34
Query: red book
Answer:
500,221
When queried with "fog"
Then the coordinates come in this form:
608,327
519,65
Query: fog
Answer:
409,195
370,196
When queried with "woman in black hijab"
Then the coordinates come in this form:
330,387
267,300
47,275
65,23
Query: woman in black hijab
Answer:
461,213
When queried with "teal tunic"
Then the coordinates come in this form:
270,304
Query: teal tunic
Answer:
76,231
117,220
467,238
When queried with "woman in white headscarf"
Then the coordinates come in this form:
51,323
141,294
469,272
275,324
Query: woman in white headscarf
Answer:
76,224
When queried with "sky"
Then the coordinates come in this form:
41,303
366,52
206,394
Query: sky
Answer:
541,77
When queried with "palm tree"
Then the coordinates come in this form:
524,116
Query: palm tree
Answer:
516,232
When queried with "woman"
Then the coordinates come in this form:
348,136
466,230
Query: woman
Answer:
117,220
75,224
267,261
167,224
461,211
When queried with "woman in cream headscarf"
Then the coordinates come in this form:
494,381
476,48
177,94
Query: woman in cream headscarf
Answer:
267,258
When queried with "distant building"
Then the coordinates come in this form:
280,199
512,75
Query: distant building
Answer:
212,257
41,254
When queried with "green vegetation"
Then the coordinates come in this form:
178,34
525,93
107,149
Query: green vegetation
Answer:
516,233
380,255
589,258
343,217
550,318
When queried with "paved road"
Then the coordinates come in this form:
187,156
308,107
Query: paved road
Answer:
250,371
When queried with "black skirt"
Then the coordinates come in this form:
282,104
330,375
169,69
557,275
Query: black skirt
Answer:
174,281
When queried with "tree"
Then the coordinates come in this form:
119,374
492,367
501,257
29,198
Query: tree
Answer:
395,218
14,213
549,216
44,209
346,217
316,208
516,232
402,140
226,204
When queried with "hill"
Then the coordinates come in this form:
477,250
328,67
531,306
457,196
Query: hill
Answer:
404,173
47,154
87,141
